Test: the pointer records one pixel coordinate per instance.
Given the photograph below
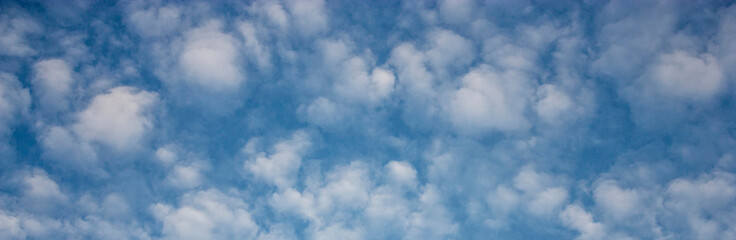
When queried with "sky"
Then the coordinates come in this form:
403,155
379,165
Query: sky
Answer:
332,119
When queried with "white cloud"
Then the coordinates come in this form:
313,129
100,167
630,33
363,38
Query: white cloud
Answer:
448,51
346,189
209,58
618,203
681,75
277,232
14,101
401,173
13,33
726,48
337,232
490,101
355,83
281,165
323,112
577,218
538,194
186,176
382,83
166,154
53,83
40,187
356,79
156,21
253,46
411,69
309,16
20,225
503,200
553,103
456,11
276,15
711,193
628,43
207,214
388,209
499,51
296,202
433,220
548,201
10,227
59,143
119,118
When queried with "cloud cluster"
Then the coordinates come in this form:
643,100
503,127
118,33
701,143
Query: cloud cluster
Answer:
312,119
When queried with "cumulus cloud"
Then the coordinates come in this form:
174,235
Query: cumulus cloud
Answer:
119,118
411,68
448,51
14,101
280,165
617,202
52,84
40,187
186,176
14,31
209,58
206,214
682,75
167,154
312,119
253,45
577,218
156,21
553,104
25,225
705,204
490,101
457,11
324,112
356,79
60,143
309,17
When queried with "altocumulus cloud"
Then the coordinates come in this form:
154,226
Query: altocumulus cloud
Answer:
320,119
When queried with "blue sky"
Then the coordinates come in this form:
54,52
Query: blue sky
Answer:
311,119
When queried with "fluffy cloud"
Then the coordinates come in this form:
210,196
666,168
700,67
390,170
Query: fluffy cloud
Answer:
186,176
356,79
156,21
14,101
60,143
280,165
13,32
40,187
682,75
52,84
254,47
617,202
206,214
448,51
490,101
706,204
309,17
209,58
119,118
577,218
553,104
456,12
288,119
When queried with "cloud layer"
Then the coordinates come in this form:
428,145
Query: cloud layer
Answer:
313,119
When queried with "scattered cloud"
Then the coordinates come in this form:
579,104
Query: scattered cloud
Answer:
312,119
